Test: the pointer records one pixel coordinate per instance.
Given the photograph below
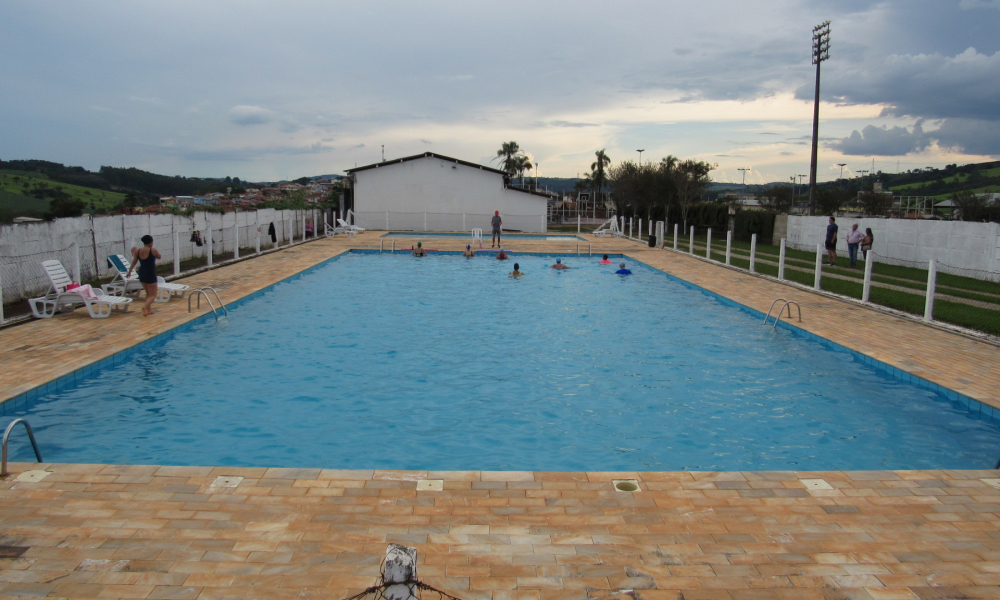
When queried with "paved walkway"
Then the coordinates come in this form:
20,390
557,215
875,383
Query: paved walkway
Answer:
95,531
179,532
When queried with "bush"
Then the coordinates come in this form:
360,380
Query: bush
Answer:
749,222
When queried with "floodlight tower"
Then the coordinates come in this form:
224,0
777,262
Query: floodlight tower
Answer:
640,155
820,52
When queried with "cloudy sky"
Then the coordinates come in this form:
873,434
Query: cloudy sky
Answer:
273,90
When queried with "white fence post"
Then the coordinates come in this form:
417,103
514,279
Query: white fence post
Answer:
208,243
781,261
691,241
387,220
425,221
931,284
869,264
399,571
545,225
303,228
177,253
675,235
753,252
708,245
76,262
660,226
640,230
729,246
236,245
258,240
578,222
819,266
630,227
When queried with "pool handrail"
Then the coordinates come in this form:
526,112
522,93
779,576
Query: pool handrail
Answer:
198,293
768,315
789,305
6,434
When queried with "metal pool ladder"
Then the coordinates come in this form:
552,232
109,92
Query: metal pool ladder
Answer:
6,434
198,293
789,304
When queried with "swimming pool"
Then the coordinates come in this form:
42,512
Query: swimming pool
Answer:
545,237
447,363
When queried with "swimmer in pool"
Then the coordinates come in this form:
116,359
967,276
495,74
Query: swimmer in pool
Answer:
605,261
468,252
622,270
501,255
559,266
419,250
517,270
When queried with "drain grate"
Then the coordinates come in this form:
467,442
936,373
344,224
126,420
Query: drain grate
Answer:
627,485
430,485
227,481
816,484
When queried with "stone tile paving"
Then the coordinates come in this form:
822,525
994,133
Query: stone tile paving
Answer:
110,531
115,531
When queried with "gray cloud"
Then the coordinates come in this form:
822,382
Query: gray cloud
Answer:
571,124
876,141
250,115
929,86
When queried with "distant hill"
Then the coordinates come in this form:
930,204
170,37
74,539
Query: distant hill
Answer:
27,194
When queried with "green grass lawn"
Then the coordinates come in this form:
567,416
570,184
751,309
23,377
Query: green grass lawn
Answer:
24,184
15,205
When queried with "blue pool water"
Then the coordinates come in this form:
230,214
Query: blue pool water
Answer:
550,237
379,361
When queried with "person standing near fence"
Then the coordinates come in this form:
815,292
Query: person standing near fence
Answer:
831,242
146,257
866,243
854,239
496,222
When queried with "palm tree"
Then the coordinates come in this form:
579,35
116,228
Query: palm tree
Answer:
522,164
508,154
597,170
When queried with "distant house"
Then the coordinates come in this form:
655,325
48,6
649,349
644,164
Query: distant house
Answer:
439,193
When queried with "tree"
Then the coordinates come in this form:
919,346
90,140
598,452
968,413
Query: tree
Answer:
597,171
829,199
875,204
776,197
64,207
522,164
691,178
974,207
509,154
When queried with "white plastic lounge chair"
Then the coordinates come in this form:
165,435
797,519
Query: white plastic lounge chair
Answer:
609,227
348,227
59,300
332,231
120,286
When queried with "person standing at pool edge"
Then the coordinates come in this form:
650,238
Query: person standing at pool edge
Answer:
496,222
146,257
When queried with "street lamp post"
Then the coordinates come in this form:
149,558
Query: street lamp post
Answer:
640,155
744,171
820,53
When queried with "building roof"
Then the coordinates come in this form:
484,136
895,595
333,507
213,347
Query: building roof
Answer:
424,155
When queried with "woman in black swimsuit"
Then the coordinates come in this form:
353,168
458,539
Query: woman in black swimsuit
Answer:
146,258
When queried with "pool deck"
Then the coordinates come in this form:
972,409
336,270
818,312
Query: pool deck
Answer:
167,532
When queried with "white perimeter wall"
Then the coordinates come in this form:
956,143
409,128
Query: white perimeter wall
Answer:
955,243
23,246
431,185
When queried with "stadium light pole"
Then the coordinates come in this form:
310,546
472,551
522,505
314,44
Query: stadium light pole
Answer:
640,155
820,53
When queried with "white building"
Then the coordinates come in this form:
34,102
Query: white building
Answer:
430,192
